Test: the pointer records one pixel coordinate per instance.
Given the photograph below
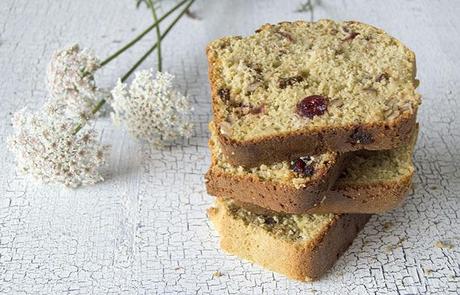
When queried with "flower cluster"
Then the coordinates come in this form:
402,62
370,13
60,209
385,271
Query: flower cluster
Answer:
71,80
55,143
46,147
151,108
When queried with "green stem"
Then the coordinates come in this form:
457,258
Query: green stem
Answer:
155,18
149,51
141,35
100,103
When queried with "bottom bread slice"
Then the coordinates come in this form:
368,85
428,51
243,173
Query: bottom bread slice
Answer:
302,247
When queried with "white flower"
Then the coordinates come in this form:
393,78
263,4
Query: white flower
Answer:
71,79
151,108
46,148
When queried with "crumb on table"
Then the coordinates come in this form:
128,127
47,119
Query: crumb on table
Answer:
443,245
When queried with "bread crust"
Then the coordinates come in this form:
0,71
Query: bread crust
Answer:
242,187
372,199
304,261
268,194
291,145
359,198
342,197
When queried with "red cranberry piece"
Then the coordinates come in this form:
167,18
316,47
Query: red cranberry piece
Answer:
310,106
299,166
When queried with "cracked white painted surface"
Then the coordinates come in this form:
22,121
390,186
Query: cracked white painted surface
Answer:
144,230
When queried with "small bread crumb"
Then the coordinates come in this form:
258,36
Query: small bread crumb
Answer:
387,225
444,245
390,248
217,274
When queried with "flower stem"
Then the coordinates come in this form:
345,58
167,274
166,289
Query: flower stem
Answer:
141,35
100,103
155,18
139,62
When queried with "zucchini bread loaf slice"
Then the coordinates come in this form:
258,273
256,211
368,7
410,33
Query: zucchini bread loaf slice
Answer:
302,247
282,185
300,88
372,182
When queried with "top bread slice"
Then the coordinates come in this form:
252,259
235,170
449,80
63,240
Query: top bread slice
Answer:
298,88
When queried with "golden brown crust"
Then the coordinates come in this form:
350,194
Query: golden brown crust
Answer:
304,261
223,183
378,197
361,199
291,145
277,197
347,195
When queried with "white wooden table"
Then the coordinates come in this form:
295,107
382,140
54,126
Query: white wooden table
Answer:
144,230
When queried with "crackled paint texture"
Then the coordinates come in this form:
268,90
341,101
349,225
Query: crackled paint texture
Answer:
144,230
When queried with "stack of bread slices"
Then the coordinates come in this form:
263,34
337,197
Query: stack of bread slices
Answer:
313,130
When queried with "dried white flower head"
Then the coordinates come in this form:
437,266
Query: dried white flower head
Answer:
152,109
71,79
46,148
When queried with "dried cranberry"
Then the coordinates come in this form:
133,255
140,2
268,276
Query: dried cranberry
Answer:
360,136
285,82
298,165
310,106
301,167
224,94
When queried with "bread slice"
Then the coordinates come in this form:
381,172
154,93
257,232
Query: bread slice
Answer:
303,88
302,247
372,182
275,186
